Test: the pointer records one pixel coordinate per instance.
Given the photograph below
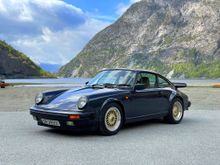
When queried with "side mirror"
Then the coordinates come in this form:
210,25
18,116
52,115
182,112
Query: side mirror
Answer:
139,87
86,82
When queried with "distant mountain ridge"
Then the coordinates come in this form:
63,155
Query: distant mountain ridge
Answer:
14,64
52,68
178,38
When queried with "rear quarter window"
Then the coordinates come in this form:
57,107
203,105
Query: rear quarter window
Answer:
163,83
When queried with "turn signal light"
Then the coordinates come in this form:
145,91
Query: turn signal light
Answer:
74,117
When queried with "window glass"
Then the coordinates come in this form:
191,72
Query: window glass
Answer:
162,83
147,79
114,77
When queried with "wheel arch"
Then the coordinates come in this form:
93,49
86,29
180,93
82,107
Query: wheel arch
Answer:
114,100
181,99
174,95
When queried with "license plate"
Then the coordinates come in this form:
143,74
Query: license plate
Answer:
51,122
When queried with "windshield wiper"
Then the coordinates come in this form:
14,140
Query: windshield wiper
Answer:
107,85
97,86
116,85
123,85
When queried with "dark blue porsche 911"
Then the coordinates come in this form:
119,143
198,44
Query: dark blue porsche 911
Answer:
111,99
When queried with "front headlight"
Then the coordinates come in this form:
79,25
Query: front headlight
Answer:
39,98
82,102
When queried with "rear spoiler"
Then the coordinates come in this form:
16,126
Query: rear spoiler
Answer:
180,85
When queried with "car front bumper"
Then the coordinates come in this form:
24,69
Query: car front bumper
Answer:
87,120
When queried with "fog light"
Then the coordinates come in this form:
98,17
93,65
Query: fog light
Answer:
70,123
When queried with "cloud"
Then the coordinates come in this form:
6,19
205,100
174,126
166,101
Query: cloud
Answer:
58,47
49,31
122,7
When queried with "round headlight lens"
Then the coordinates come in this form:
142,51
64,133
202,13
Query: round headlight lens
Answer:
39,98
82,102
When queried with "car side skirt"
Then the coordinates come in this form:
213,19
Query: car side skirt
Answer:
145,117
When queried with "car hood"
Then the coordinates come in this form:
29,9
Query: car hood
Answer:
68,100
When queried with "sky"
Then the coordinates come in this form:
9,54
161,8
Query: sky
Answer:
55,31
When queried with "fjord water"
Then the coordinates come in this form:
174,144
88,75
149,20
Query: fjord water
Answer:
80,81
73,82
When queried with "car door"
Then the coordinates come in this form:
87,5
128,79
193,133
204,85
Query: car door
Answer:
146,101
165,91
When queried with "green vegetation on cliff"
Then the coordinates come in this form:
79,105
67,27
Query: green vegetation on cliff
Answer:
14,64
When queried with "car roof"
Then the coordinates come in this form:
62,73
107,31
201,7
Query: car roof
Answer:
136,70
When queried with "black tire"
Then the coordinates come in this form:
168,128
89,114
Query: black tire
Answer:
102,120
170,117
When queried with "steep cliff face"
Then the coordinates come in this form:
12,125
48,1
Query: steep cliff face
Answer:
178,38
14,64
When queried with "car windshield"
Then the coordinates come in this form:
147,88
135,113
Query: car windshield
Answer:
113,78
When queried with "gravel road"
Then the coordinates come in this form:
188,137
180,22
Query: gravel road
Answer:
195,141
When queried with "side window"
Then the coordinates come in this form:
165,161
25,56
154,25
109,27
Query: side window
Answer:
147,79
162,83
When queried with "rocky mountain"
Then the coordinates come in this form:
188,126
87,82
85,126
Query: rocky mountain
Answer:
14,64
178,38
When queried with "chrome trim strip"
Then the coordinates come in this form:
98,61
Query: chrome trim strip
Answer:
55,112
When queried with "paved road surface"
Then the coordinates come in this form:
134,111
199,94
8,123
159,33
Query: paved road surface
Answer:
195,141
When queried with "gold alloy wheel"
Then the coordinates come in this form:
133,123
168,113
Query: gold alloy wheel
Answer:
177,111
112,119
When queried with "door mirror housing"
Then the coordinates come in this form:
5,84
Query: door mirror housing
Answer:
139,87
